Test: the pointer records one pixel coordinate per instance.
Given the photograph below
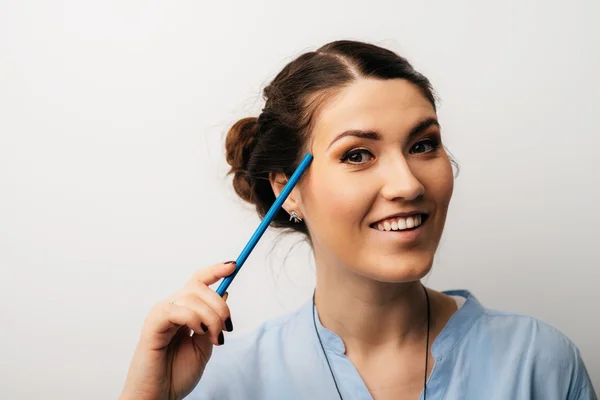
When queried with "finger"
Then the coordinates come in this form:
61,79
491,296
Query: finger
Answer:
211,322
170,315
217,304
212,274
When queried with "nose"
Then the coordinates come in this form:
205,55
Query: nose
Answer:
400,182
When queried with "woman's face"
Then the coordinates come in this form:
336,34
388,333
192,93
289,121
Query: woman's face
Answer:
378,158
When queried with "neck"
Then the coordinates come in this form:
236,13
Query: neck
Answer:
370,315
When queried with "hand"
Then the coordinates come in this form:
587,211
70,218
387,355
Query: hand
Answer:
168,362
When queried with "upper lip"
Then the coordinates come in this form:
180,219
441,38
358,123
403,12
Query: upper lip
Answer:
403,214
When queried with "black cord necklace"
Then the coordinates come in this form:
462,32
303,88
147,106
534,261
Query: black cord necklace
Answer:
426,347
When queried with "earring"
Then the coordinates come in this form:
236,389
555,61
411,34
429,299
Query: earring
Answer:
294,217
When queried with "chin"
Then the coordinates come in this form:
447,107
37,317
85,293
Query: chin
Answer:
398,269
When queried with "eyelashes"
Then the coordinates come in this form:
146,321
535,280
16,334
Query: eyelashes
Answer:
361,155
433,142
351,156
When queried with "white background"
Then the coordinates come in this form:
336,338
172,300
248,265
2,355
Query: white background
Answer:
112,175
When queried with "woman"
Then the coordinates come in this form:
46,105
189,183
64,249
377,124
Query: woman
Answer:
373,206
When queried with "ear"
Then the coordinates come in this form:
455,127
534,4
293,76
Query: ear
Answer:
293,201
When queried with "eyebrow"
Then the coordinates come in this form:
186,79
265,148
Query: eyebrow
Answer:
373,135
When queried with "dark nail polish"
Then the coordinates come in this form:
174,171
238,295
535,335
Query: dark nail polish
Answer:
230,262
221,338
228,324
204,327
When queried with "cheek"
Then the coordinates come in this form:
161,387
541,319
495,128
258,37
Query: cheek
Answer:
440,185
447,184
336,200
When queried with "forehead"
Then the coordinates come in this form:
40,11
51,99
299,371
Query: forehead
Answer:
391,107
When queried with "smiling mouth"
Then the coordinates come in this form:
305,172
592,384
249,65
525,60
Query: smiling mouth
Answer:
400,224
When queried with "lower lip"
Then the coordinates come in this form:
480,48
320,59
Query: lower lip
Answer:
403,236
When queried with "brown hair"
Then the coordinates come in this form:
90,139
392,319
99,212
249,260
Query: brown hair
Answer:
276,140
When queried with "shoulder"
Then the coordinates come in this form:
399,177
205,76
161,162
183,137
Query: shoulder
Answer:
539,338
247,360
519,351
538,350
476,325
263,339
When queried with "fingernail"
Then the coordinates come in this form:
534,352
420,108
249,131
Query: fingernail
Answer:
221,338
228,324
225,296
204,327
229,262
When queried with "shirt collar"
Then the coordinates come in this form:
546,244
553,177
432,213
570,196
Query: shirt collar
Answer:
456,328
330,340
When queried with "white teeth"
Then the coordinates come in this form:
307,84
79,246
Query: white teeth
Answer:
400,224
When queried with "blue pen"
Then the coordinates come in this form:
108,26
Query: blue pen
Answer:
287,189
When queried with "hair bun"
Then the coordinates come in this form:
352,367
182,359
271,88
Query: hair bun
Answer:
241,140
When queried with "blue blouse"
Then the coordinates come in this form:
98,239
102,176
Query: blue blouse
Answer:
480,354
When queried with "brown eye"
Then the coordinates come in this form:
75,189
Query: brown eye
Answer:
425,146
357,156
